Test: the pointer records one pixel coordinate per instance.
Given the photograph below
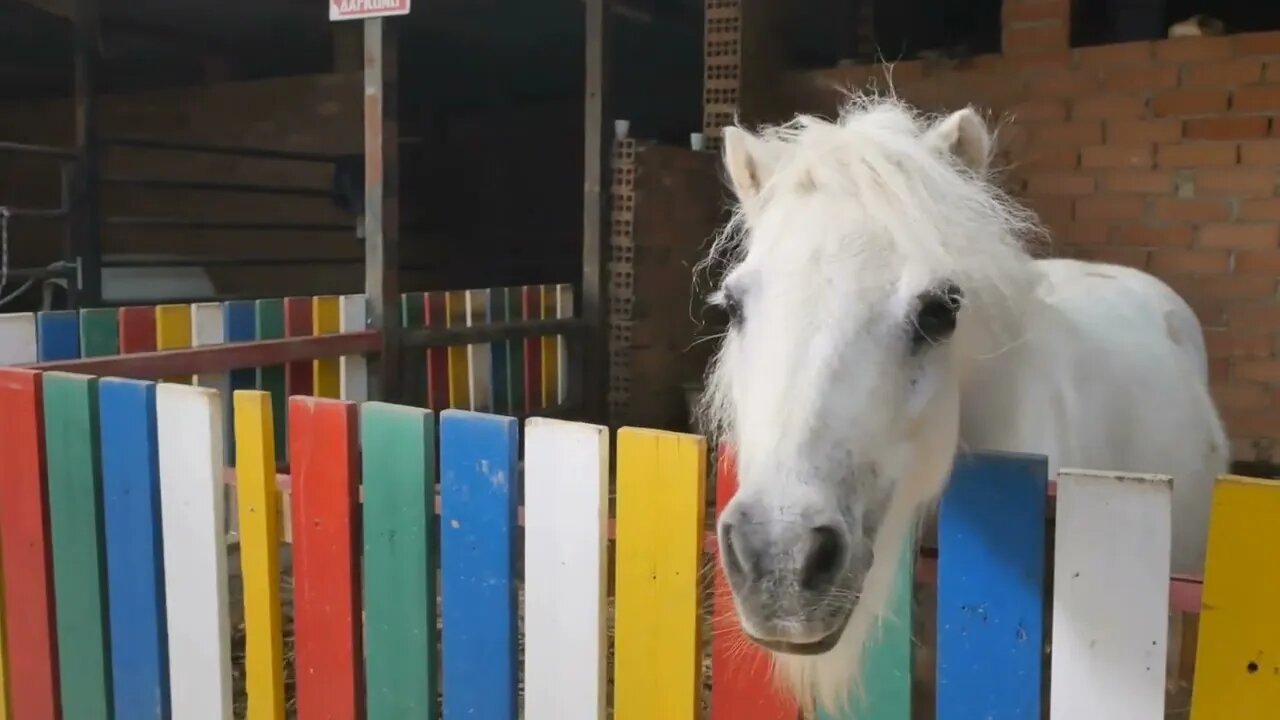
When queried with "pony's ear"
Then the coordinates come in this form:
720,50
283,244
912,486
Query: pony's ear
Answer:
749,160
964,135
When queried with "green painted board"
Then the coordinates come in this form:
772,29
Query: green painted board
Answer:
886,664
269,325
99,332
413,314
399,570
515,356
79,561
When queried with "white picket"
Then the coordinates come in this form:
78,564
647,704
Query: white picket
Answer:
354,368
17,338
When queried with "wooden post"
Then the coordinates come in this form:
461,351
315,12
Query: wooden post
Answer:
595,212
381,182
86,237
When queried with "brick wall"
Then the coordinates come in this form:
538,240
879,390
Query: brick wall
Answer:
1160,155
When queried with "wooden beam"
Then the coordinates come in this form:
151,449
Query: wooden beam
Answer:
595,210
62,8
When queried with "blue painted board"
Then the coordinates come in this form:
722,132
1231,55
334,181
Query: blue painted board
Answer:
991,588
57,335
496,312
477,560
135,556
239,324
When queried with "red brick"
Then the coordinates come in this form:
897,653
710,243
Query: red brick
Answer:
1212,315
1055,212
1041,110
1256,98
1241,71
1145,236
1128,132
1259,262
1049,159
1060,184
1194,49
1252,423
1266,210
1020,11
1240,236
1256,317
1136,181
1182,261
1241,395
1109,207
1171,209
1229,343
1066,133
1264,43
1246,127
1273,71
1138,78
1204,154
1092,232
1174,103
1224,287
1062,83
1266,152
1117,156
1033,39
1238,182
1260,370
1104,107
1116,254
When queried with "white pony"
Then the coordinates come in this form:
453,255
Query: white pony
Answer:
884,312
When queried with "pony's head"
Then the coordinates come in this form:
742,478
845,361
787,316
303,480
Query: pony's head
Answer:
870,258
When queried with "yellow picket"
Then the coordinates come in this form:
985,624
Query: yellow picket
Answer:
456,316
550,351
1238,657
173,332
326,315
259,554
661,493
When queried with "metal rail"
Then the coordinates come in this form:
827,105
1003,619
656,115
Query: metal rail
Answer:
41,150
227,187
171,222
239,151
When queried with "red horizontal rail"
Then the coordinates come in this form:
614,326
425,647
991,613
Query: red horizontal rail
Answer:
221,358
1184,590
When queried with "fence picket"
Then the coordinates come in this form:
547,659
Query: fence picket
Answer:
398,445
298,322
1110,608
479,362
26,547
135,563
531,309
99,332
437,309
189,429
173,332
354,368
499,356
79,563
478,498
18,344
326,318
413,314
456,317
991,587
57,335
1238,658
260,553
550,349
564,309
273,379
661,489
517,396
137,329
566,511
326,574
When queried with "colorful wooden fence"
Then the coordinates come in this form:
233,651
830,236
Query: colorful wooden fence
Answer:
114,569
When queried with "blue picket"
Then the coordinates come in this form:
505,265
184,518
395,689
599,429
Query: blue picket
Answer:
991,594
477,560
239,324
57,335
135,558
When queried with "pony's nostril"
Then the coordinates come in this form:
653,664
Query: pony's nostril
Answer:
825,560
732,560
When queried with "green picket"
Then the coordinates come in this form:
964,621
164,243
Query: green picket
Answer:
99,332
269,325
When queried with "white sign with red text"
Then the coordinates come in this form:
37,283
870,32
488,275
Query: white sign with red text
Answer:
365,9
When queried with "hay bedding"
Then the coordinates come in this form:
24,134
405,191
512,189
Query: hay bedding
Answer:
236,593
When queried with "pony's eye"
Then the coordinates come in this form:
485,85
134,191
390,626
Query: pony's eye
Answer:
936,318
732,307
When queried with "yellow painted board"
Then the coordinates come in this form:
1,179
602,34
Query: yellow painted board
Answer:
326,312
1238,657
550,351
455,309
173,332
259,554
661,493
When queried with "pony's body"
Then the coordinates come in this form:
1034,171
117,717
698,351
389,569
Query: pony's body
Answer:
1111,375
886,313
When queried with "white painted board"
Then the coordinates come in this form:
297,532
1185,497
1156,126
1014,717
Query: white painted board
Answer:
354,369
17,338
